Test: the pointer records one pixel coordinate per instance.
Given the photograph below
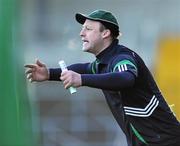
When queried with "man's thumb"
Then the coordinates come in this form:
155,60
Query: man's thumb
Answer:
40,63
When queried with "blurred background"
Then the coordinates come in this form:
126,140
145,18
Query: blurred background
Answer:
45,114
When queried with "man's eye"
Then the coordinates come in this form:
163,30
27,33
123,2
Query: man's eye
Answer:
88,28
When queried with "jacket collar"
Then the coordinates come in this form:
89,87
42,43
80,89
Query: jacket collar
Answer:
107,53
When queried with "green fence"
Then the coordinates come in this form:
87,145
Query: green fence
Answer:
15,113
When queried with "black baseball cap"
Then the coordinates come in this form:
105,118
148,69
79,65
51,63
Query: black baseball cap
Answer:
105,17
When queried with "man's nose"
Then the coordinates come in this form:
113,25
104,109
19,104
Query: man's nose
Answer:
81,32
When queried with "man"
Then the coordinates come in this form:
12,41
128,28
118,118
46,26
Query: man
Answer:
130,90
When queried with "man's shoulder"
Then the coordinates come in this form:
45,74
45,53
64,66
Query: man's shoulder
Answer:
122,51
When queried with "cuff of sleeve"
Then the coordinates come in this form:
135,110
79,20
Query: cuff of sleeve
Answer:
54,74
87,79
83,79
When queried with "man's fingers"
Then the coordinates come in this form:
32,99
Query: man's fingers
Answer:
29,76
64,72
66,82
67,78
30,80
66,85
62,78
64,75
29,71
30,65
40,63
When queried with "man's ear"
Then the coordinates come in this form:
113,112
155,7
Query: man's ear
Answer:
106,33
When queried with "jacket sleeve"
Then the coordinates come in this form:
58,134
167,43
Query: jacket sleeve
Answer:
109,81
81,68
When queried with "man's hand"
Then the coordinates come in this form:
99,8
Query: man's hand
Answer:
71,78
37,72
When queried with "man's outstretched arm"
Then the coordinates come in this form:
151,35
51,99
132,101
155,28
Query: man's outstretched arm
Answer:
107,81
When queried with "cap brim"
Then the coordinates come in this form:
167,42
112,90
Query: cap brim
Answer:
80,18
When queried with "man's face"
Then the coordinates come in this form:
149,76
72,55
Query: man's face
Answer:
91,36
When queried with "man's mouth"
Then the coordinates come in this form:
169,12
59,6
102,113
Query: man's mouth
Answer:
85,41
